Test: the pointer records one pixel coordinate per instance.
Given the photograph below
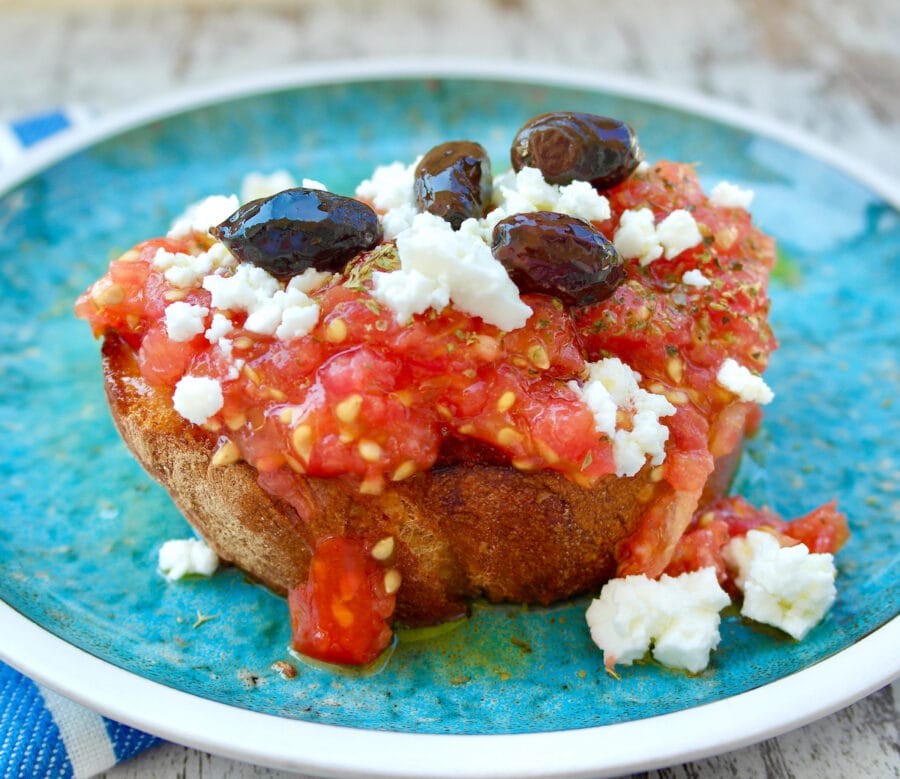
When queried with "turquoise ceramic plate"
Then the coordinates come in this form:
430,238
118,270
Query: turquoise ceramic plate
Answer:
81,524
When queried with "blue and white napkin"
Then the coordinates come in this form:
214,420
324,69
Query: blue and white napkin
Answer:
18,135
42,734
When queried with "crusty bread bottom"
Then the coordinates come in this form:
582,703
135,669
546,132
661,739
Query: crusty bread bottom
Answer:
462,530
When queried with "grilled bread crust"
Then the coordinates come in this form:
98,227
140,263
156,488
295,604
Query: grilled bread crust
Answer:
468,528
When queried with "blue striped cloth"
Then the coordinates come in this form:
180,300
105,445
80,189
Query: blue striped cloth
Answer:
18,135
42,734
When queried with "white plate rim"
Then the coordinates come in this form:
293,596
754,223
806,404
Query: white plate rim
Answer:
329,750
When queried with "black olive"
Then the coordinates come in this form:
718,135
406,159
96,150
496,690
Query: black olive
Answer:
453,181
298,229
567,146
556,254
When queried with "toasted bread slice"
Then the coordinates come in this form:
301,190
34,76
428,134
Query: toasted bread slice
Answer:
468,528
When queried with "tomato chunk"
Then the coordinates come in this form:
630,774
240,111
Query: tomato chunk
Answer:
823,529
340,613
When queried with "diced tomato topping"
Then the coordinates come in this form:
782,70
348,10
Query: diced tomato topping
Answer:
824,529
367,397
701,547
688,460
163,361
341,613
652,545
653,310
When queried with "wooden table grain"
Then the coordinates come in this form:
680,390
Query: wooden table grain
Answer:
829,68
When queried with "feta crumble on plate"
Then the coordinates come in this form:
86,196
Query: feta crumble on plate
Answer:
787,587
182,557
678,617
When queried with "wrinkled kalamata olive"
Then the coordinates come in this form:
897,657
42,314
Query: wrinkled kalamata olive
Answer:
559,255
567,146
298,229
453,181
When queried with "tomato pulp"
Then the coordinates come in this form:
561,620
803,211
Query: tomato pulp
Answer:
340,613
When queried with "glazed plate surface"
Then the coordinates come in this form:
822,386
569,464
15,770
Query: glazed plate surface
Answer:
81,525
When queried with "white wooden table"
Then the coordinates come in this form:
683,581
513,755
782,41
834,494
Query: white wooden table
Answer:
830,68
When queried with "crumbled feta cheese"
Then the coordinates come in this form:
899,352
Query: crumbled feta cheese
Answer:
310,280
217,257
527,191
197,398
217,334
186,270
259,185
516,192
181,557
391,186
248,287
694,278
267,314
638,238
613,386
744,383
635,237
179,268
678,232
220,327
285,313
784,586
185,320
299,315
677,616
580,199
408,292
200,217
391,191
730,196
461,268
396,220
